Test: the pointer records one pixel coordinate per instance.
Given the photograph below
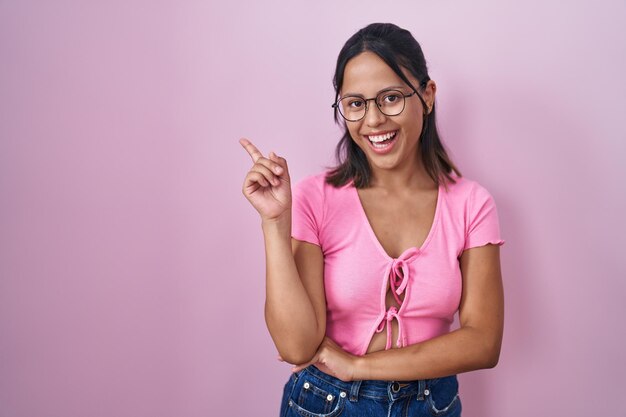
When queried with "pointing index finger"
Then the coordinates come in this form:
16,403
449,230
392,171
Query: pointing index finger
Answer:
254,153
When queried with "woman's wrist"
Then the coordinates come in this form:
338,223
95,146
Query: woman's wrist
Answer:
361,368
280,224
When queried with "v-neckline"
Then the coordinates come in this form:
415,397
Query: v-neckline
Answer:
370,229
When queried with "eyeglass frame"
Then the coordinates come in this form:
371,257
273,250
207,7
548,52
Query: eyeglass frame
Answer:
335,105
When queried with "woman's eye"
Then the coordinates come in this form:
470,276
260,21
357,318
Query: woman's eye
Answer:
391,98
355,104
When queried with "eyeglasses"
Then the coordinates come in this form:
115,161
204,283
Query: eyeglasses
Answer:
389,102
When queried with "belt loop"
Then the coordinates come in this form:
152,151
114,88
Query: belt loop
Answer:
421,386
354,391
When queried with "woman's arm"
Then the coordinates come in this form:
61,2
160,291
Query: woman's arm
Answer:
295,307
475,345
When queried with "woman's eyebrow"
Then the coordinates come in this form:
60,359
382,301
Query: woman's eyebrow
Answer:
393,87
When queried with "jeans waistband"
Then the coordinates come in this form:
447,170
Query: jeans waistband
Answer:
375,389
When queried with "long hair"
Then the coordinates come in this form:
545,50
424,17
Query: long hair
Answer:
399,49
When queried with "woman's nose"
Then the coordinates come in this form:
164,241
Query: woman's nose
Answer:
374,116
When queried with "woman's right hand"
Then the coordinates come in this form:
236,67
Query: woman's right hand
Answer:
267,184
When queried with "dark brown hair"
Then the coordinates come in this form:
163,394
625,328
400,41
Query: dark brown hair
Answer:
398,48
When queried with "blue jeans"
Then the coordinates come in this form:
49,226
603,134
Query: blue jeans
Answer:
313,393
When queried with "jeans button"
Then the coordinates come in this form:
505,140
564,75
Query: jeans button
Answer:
395,387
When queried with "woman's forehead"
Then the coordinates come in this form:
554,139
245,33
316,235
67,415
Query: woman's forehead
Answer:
368,74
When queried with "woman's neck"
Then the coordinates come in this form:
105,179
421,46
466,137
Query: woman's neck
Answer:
408,177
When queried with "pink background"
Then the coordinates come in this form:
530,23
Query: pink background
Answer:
131,267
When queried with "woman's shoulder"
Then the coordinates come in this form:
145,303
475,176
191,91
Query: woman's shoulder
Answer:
313,190
465,189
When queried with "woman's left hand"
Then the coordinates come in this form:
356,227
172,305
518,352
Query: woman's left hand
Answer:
333,360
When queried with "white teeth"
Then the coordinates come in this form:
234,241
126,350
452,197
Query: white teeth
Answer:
381,145
381,138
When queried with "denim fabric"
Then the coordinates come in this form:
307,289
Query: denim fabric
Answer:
313,393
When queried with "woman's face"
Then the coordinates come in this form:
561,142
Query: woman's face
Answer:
389,142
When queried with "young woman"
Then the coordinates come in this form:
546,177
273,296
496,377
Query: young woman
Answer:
368,263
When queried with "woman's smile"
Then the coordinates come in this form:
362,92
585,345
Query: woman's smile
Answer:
382,143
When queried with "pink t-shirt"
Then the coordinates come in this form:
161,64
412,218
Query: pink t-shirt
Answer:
357,269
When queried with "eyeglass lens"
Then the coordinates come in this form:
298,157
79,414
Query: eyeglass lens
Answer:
390,103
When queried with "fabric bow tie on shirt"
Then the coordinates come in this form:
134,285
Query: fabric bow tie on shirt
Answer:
398,275
386,321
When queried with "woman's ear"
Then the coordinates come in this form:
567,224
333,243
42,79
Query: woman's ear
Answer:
429,95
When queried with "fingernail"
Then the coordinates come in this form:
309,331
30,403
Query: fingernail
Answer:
278,170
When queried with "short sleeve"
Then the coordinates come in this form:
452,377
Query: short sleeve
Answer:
307,210
483,225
